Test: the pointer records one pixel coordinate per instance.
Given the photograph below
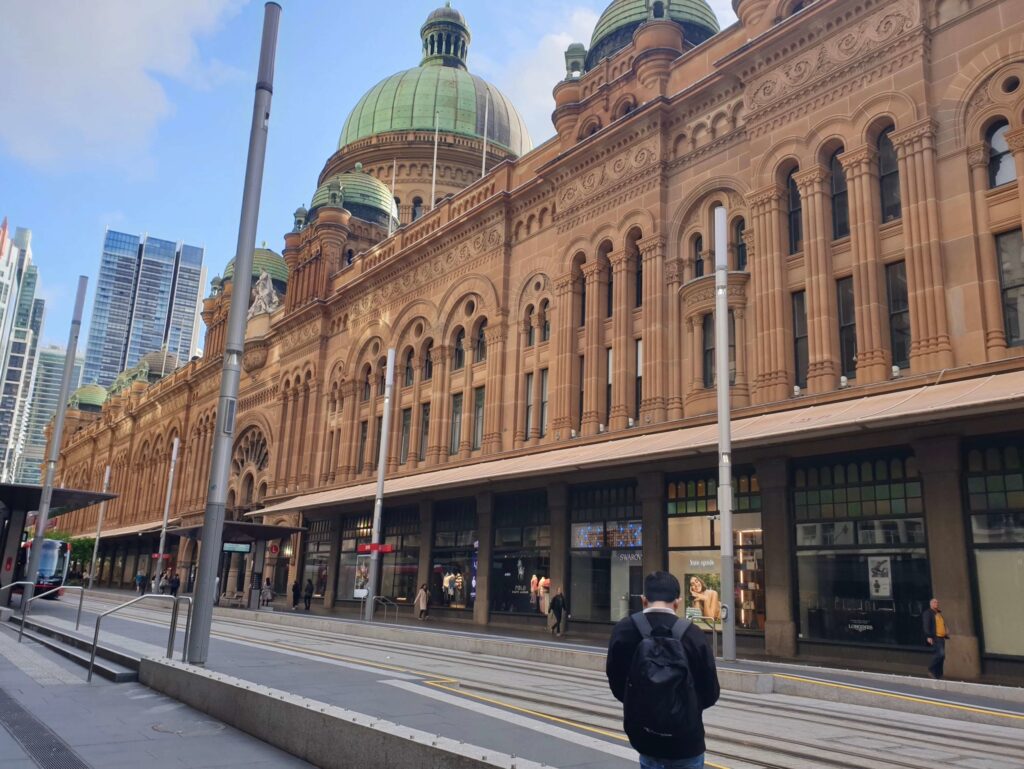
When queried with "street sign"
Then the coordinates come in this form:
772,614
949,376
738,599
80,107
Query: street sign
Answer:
237,547
375,548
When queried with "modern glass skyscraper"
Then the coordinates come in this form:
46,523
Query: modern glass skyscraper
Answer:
147,296
44,395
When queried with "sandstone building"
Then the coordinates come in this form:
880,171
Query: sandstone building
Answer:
554,414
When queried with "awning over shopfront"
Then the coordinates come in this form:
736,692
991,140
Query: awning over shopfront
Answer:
918,406
23,496
141,528
240,532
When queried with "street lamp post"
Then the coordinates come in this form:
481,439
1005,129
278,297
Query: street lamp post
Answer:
378,503
234,346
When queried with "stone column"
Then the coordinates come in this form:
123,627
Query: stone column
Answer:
436,444
939,460
558,510
771,379
593,389
563,358
465,438
414,427
497,339
991,289
780,629
330,594
622,317
1015,140
485,535
426,543
821,295
861,168
651,490
350,446
658,368
676,377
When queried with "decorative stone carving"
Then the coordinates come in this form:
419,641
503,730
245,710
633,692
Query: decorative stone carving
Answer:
255,355
610,172
265,299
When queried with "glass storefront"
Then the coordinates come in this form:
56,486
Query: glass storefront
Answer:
318,551
606,561
354,567
862,558
399,568
521,565
995,502
694,542
455,561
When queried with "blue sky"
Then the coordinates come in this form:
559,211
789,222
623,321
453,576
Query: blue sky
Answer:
135,115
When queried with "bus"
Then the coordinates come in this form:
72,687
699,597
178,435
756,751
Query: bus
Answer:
53,566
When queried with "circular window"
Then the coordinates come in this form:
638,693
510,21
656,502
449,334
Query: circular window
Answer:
536,286
418,330
470,307
1011,84
376,347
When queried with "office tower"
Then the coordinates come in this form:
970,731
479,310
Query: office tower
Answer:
21,321
147,296
44,396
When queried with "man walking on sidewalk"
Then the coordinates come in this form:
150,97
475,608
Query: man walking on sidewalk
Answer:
935,634
660,667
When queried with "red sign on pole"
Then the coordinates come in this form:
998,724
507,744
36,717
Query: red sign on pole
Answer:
275,549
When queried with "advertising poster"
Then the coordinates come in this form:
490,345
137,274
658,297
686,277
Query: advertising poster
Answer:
880,576
701,589
360,587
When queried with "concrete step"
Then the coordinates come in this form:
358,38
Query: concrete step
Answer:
110,664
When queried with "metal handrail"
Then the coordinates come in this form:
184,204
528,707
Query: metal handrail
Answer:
13,584
387,603
170,635
24,605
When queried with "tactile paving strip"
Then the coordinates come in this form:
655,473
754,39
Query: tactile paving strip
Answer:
42,745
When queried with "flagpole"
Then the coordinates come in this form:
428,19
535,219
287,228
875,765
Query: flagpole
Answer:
433,176
394,172
487,111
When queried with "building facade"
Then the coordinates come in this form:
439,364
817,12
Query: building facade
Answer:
147,298
21,323
553,419
42,406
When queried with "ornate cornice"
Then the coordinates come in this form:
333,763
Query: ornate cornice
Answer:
811,180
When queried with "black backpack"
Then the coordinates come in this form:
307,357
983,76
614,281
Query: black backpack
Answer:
661,706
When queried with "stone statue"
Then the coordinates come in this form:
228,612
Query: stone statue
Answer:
265,299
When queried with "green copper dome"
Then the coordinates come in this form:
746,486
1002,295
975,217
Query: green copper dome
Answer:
88,397
263,259
359,193
463,102
615,28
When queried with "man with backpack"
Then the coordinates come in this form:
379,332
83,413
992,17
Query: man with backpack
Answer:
662,670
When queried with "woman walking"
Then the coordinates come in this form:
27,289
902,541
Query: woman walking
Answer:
296,594
266,594
559,613
307,594
422,602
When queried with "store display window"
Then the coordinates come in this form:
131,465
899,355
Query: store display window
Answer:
694,541
455,554
353,566
862,557
606,557
318,549
994,481
399,568
521,564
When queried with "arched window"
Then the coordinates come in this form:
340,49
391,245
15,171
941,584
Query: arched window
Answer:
583,297
840,201
417,208
1001,169
459,351
795,211
480,343
531,332
367,376
382,371
698,257
410,372
638,283
350,256
545,321
739,228
708,339
888,177
428,362
609,294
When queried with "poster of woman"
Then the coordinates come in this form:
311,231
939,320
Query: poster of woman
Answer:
702,594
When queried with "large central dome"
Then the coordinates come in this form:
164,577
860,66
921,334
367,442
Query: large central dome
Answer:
462,102
615,28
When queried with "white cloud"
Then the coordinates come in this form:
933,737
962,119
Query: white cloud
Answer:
81,80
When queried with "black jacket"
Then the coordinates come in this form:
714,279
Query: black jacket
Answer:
928,620
559,605
624,641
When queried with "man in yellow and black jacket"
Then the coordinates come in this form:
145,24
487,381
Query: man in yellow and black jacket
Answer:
935,634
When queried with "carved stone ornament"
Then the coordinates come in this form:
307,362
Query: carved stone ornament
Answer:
614,170
265,299
255,356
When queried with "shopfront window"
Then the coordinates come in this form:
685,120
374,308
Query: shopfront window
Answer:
399,567
455,560
995,502
318,548
862,557
694,541
354,567
606,540
521,565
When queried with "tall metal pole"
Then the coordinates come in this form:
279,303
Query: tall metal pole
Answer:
378,503
394,174
220,462
487,114
724,434
32,573
433,175
99,528
167,506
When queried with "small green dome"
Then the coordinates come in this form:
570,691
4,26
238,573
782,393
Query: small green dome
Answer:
463,102
88,397
364,196
263,259
159,363
615,28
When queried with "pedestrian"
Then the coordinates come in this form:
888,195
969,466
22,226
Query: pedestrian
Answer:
662,670
935,634
266,594
560,610
307,594
422,602
165,584
175,584
140,583
296,594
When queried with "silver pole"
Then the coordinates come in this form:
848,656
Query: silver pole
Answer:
487,114
220,462
167,506
433,175
378,503
99,528
394,174
724,434
43,514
